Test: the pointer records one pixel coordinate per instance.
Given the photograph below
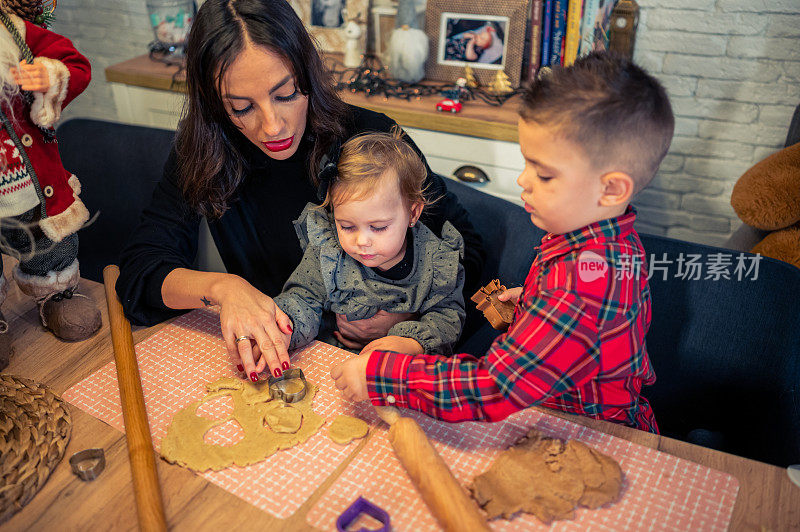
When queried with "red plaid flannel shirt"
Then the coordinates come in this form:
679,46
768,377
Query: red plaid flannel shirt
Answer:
576,343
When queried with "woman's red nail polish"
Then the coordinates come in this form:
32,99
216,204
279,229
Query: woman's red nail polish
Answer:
240,367
290,328
285,365
254,377
277,373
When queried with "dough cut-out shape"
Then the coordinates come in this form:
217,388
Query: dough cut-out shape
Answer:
344,429
184,443
286,419
547,477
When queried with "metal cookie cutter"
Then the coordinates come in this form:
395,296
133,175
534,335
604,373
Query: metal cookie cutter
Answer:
290,387
88,464
363,506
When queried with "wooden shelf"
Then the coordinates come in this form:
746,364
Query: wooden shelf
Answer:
477,119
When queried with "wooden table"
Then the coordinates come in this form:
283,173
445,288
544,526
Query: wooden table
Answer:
477,119
767,500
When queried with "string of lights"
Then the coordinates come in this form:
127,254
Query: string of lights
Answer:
372,78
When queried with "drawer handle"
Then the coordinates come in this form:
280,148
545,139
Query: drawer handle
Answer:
471,174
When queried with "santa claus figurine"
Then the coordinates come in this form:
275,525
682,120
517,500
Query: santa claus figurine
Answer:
40,212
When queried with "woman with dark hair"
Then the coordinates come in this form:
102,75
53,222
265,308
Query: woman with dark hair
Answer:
259,138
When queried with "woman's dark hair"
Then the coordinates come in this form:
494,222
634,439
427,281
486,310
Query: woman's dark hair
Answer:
210,164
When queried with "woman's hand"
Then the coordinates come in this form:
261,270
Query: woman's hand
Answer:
246,312
356,334
512,294
398,344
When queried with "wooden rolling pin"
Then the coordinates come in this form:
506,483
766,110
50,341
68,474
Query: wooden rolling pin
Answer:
446,499
146,488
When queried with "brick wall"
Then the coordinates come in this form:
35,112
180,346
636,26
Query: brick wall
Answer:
732,70
731,67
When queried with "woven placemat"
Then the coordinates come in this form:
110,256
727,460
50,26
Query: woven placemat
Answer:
35,427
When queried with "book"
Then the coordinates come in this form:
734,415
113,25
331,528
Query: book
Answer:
590,9
537,9
547,30
558,31
602,25
573,38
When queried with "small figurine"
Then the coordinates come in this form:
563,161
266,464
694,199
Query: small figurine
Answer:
499,313
452,96
469,75
408,45
352,49
500,85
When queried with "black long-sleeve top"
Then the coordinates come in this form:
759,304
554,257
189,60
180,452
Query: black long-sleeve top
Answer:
255,237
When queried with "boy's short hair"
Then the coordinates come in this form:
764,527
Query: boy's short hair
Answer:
613,109
365,159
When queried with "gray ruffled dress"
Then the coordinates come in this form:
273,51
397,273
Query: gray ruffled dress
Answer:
328,281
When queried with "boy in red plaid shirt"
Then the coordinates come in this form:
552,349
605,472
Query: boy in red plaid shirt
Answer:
592,136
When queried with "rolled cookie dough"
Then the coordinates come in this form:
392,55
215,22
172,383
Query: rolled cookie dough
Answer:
547,477
345,429
286,419
184,443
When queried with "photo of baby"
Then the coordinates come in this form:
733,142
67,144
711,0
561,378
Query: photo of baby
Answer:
479,40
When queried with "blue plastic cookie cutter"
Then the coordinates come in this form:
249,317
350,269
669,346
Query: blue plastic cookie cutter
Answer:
363,506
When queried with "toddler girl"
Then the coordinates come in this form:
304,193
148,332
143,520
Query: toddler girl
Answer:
365,251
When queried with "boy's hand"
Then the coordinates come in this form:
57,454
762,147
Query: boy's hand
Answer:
512,294
398,344
31,76
351,378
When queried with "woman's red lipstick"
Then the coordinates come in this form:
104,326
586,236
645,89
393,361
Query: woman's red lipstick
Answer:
279,145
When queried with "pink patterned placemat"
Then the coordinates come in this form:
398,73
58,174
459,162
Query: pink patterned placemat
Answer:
176,363
661,491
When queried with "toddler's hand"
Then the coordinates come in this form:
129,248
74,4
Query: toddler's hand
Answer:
351,378
31,76
398,344
512,294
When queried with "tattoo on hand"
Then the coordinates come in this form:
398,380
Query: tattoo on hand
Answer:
206,301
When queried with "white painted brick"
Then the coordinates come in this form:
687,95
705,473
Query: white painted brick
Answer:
652,62
671,163
649,229
686,43
675,218
684,183
776,115
721,67
700,237
762,152
707,108
687,127
678,85
779,48
748,91
783,26
716,23
760,6
791,69
717,224
706,5
727,169
710,148
752,133
658,198
697,203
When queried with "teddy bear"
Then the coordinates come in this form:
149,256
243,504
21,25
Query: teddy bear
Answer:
767,197
40,211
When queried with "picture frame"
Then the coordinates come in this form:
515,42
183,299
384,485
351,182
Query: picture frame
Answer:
321,16
497,33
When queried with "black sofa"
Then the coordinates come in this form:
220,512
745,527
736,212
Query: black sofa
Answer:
726,352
